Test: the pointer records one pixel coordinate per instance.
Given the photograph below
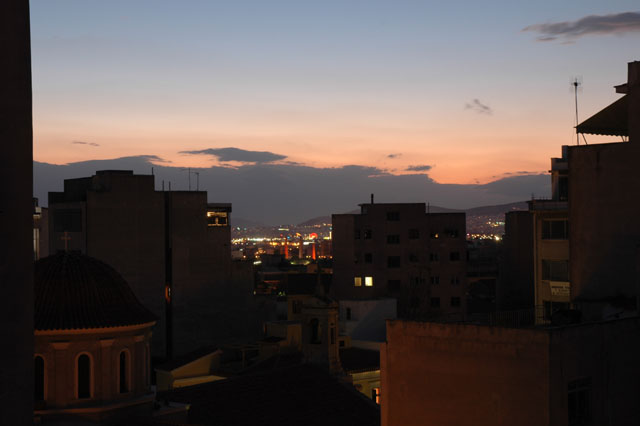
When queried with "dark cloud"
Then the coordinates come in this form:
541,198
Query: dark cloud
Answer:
479,107
393,155
285,193
593,24
240,155
85,143
424,168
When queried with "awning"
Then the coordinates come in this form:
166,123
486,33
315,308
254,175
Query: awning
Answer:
611,121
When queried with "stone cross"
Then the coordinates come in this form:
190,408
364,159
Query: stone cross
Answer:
66,238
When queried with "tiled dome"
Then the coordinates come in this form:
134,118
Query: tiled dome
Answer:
74,291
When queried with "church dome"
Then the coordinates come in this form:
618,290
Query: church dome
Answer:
74,291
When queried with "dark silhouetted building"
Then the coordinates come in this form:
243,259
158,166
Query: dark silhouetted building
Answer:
401,251
172,247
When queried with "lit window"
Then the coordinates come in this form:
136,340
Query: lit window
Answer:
217,219
357,281
375,395
368,281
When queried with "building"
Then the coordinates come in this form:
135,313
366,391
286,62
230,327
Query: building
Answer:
172,247
401,251
92,356
468,374
40,231
604,208
536,258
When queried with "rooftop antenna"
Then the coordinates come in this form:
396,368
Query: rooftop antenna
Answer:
197,180
576,83
189,172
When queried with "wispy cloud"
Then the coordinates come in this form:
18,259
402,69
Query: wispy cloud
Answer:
392,156
239,155
85,143
479,107
618,23
422,168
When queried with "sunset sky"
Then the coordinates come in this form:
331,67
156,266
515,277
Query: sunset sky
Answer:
459,89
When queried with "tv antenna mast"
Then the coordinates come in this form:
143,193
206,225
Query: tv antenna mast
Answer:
576,83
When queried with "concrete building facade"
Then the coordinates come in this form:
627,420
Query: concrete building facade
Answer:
401,251
172,247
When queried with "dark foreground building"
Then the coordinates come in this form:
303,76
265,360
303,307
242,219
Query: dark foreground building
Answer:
172,247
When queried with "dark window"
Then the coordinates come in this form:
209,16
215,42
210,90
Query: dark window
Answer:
455,280
124,388
341,343
84,376
563,188
295,306
579,402
451,233
394,216
435,302
555,229
368,234
67,220
39,378
315,330
333,335
394,285
435,279
433,257
555,270
393,261
454,256
393,239
455,302
414,234
348,313
413,258
356,234
368,258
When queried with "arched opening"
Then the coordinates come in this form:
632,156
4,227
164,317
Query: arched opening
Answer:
38,371
315,330
124,372
84,376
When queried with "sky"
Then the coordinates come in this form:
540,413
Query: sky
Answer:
464,92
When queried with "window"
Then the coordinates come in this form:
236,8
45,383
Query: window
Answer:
454,256
455,302
555,270
124,372
435,235
433,257
393,261
455,280
333,335
451,233
413,258
419,280
38,388
368,234
296,306
435,279
393,239
357,281
563,188
435,302
315,330
414,234
348,313
555,229
579,403
356,234
393,216
217,218
84,376
394,285
341,343
368,258
375,395
368,281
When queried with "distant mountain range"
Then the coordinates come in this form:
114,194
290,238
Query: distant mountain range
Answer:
489,211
